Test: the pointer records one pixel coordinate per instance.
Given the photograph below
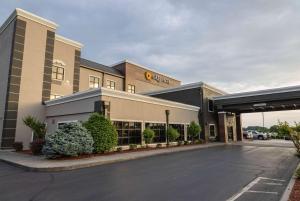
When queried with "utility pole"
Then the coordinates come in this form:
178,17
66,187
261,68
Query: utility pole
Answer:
263,118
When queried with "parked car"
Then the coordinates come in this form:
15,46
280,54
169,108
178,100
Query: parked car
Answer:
247,135
259,136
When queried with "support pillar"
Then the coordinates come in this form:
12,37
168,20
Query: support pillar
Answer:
239,128
223,135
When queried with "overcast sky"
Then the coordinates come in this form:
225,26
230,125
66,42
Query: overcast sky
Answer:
231,44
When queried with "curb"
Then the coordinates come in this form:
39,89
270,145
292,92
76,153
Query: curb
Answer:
289,188
92,164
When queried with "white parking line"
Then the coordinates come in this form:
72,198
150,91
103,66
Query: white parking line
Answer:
273,184
251,184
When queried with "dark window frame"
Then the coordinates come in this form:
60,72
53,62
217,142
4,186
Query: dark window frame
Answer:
56,73
92,82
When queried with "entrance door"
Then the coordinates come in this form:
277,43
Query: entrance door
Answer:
230,133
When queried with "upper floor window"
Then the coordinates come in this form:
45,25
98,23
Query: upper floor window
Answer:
54,96
111,84
210,105
58,73
131,88
94,82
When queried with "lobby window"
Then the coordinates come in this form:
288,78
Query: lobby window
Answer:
128,132
54,96
159,130
212,131
180,129
111,84
58,73
210,105
131,88
94,82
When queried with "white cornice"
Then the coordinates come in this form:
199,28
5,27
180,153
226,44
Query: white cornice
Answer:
68,41
184,87
121,95
101,71
30,16
144,67
260,92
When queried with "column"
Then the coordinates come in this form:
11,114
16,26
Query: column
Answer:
239,128
223,135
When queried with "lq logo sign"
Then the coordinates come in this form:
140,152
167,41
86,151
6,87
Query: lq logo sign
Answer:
149,76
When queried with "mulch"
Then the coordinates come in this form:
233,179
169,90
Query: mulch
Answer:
295,194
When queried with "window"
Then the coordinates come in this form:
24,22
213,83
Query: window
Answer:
128,132
210,105
94,82
212,132
58,73
54,96
159,130
111,84
180,129
131,88
62,123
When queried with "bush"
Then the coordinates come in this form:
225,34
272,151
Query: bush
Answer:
159,145
119,149
148,134
71,140
103,132
132,146
38,128
36,146
173,134
180,143
194,130
295,137
18,146
200,141
186,142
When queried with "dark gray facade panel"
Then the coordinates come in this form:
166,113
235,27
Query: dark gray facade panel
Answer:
13,88
47,66
76,75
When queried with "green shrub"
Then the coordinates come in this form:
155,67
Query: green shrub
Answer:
132,146
194,130
71,140
103,132
186,142
180,143
38,128
173,134
148,134
119,149
159,145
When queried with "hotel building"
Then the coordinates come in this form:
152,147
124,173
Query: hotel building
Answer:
43,74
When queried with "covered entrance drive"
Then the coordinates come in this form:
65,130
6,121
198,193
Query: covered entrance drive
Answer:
231,106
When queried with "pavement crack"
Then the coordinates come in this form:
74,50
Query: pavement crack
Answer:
52,178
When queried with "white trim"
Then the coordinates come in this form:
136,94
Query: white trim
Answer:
65,122
127,120
259,92
55,95
30,16
214,130
101,71
94,77
68,41
144,67
185,87
102,91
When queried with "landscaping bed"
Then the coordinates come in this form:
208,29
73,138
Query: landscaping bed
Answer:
295,194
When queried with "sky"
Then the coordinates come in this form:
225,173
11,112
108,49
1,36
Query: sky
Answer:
231,44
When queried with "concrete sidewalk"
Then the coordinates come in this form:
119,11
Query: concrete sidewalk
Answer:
41,164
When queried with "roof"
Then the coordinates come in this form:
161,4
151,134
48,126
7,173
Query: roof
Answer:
102,91
144,67
259,92
30,16
185,87
100,67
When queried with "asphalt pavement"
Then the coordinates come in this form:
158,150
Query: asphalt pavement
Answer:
227,172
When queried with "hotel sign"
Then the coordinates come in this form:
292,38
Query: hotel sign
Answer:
158,78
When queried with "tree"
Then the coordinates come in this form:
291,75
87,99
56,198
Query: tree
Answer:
284,129
173,134
194,130
148,134
274,129
103,132
38,128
